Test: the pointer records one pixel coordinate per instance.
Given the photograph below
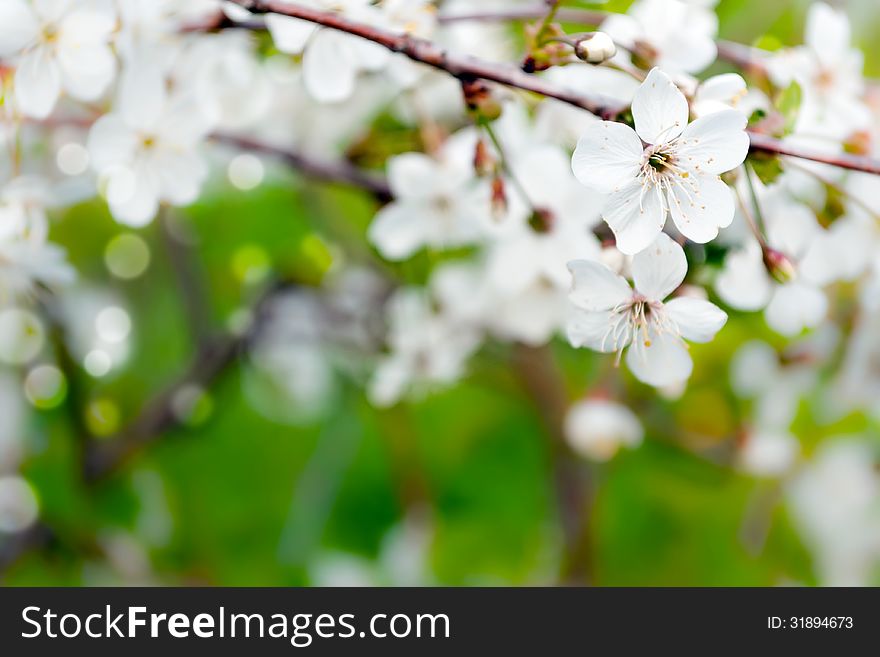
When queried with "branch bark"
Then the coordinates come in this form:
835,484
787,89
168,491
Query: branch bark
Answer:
334,172
158,415
541,379
431,54
466,67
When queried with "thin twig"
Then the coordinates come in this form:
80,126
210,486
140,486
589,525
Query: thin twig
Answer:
335,172
184,263
159,415
464,66
540,377
431,54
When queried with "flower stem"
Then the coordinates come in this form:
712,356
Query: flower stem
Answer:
505,164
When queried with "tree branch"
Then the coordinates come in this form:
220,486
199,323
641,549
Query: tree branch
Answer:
541,379
765,144
335,172
158,415
463,66
429,53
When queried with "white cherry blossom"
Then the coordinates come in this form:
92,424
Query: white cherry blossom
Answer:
438,203
768,453
663,167
427,349
834,506
57,46
611,316
332,60
719,93
829,71
526,264
674,35
597,428
790,305
146,151
27,258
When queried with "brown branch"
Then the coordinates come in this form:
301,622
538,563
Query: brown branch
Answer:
466,67
35,537
579,16
188,276
431,54
158,415
541,379
335,172
765,144
746,57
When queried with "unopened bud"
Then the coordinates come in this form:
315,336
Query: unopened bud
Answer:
858,143
596,48
499,198
480,100
485,163
779,266
541,220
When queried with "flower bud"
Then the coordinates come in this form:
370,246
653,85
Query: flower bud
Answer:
595,48
541,220
480,100
779,266
499,198
485,163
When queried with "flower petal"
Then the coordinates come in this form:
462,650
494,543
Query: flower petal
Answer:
397,230
328,73
412,175
181,174
37,83
794,307
743,282
636,216
18,26
593,330
607,156
700,205
596,287
661,361
659,109
290,35
133,195
697,320
87,70
111,142
715,143
659,270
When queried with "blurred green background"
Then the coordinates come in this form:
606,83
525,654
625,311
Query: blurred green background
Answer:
235,499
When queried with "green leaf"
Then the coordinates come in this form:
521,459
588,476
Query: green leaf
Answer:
789,105
767,167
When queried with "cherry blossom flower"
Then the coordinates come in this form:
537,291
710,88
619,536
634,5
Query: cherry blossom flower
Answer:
768,453
719,93
27,258
427,349
834,506
777,390
611,316
676,171
829,71
674,35
597,428
526,262
55,46
146,151
439,202
794,302
332,60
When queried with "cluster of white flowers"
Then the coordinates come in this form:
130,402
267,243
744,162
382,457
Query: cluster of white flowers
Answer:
539,220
